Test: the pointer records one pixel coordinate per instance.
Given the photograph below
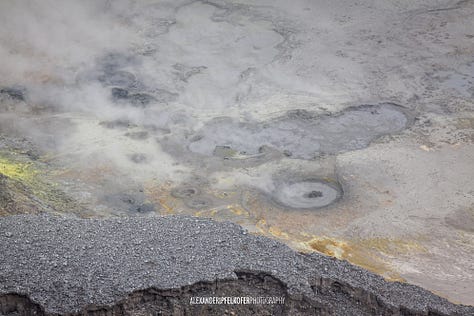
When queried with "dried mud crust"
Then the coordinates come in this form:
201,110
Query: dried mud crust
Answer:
153,266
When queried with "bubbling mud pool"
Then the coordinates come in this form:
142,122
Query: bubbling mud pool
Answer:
308,194
300,134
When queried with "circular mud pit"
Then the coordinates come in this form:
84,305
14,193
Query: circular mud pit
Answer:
308,194
184,192
191,196
198,203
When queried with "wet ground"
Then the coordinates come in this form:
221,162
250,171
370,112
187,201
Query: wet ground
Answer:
344,128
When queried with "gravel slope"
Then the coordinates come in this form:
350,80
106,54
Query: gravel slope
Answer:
68,265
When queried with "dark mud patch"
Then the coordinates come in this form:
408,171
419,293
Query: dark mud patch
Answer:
115,61
462,220
113,70
119,78
301,134
142,135
164,96
120,73
198,203
121,95
138,158
118,124
13,93
13,99
133,202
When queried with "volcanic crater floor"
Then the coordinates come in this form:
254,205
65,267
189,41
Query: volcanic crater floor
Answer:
339,127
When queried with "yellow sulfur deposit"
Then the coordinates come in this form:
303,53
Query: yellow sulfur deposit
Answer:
367,253
16,170
29,190
331,247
